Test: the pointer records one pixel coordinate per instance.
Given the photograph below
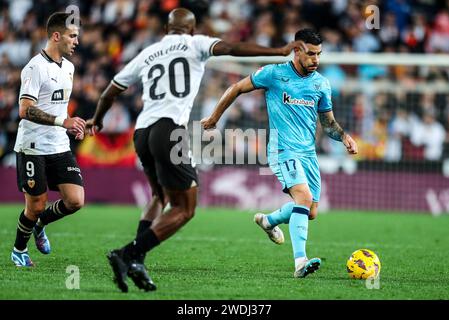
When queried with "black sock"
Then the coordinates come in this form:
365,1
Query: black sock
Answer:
53,213
24,229
143,225
143,243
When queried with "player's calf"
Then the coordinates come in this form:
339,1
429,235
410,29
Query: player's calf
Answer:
313,211
54,212
73,205
313,215
24,230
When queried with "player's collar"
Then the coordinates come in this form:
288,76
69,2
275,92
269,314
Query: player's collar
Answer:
296,71
48,58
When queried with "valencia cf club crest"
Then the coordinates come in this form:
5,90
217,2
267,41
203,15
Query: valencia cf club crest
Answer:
31,183
317,86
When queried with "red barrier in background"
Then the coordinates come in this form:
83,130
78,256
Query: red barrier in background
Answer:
245,188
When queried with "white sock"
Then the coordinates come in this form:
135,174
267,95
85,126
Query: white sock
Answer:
265,222
299,262
20,251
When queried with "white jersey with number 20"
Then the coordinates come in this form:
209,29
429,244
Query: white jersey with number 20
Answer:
171,72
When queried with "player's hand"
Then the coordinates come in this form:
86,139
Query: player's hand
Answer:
93,126
295,44
74,125
350,144
79,135
209,123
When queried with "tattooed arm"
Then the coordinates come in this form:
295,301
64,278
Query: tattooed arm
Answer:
334,131
330,126
28,111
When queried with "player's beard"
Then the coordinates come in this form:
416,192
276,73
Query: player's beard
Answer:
306,70
67,50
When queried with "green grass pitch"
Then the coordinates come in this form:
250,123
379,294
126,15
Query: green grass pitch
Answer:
222,254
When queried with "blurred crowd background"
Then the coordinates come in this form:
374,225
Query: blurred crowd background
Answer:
397,113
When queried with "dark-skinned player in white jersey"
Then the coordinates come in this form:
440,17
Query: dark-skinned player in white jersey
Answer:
171,71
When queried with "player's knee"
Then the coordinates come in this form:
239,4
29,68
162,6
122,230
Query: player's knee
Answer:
74,204
301,195
303,198
36,207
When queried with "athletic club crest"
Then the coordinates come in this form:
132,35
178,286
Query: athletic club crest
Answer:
292,174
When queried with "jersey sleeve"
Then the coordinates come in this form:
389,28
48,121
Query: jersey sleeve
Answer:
30,83
325,103
204,45
129,74
262,78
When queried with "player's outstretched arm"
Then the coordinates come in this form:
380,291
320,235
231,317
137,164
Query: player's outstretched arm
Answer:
104,104
28,111
334,131
243,86
243,49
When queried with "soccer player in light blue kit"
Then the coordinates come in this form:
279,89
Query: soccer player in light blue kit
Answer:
296,96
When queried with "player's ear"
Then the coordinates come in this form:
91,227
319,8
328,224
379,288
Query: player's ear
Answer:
56,36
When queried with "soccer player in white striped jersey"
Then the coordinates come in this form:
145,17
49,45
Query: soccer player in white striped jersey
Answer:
170,71
42,146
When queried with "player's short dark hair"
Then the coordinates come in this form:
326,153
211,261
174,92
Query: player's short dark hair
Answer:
57,22
309,36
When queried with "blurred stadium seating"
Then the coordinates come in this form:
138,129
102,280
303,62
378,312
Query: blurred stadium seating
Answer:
398,113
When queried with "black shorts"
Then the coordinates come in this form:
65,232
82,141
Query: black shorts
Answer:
165,161
35,172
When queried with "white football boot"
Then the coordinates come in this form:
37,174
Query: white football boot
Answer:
275,234
307,267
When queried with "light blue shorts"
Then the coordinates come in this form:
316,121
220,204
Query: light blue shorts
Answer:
292,169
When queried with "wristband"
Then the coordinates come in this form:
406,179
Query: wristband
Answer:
59,121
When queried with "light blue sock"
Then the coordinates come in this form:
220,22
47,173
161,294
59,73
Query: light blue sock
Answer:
281,215
298,227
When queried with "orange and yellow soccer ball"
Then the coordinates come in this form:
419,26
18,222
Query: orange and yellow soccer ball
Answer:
363,264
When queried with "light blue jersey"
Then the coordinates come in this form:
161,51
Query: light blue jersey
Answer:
293,103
